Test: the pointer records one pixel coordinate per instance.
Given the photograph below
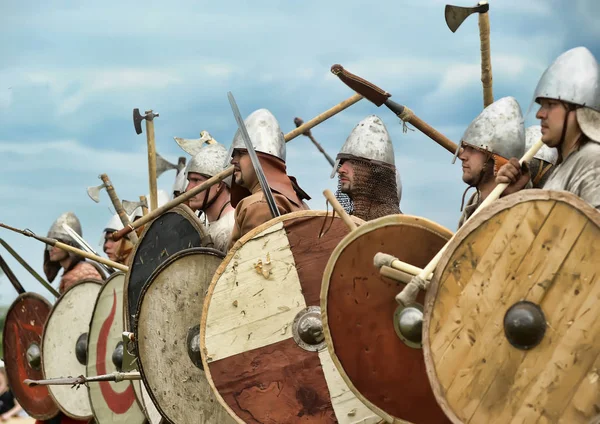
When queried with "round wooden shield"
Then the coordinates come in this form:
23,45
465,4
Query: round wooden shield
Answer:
359,309
68,323
512,321
152,414
23,327
168,331
168,234
261,335
111,402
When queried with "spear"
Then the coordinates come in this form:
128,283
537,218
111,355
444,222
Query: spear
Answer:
78,381
308,133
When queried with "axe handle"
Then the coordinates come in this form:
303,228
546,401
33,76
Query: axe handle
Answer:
91,256
340,210
151,162
144,201
11,276
320,148
118,205
486,61
395,274
429,131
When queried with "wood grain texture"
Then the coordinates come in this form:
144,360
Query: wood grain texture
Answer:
359,305
23,326
545,251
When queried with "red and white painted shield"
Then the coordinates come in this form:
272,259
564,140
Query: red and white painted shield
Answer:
111,402
22,340
261,336
68,324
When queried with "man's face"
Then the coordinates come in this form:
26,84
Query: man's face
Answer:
111,247
243,173
346,176
473,163
552,117
57,254
197,203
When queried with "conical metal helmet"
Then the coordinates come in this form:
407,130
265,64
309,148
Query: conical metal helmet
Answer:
573,77
368,140
547,154
209,161
57,231
265,133
498,129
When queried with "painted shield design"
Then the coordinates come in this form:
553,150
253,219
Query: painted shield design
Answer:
111,402
261,334
22,341
168,234
168,332
64,346
512,321
360,316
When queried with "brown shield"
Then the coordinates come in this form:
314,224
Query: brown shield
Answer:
69,320
262,347
23,327
168,322
168,234
359,308
111,402
512,321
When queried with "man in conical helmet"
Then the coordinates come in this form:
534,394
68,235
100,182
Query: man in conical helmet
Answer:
569,97
75,267
540,167
214,202
367,173
495,136
251,208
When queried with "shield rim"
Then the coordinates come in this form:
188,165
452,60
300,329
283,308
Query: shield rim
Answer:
472,224
155,273
104,284
50,306
351,237
230,254
84,281
180,209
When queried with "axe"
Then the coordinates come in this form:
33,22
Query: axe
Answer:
131,206
380,97
163,165
137,123
184,197
298,122
455,16
193,145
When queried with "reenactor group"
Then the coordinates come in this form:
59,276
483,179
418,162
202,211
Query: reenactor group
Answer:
271,339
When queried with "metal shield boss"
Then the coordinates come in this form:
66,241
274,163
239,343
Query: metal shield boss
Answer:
261,332
374,343
22,342
512,323
64,346
111,402
167,338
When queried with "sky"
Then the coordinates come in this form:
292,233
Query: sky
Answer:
72,72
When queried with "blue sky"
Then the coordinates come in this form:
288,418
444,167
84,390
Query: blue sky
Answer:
71,73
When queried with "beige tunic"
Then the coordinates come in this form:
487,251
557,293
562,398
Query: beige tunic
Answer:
579,174
220,231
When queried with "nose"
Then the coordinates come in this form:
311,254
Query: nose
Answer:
541,113
461,154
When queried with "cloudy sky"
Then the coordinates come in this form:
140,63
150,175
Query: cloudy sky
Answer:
71,73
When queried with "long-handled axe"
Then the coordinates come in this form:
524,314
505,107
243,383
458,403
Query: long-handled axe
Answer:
298,122
455,16
193,145
381,97
137,123
163,165
117,235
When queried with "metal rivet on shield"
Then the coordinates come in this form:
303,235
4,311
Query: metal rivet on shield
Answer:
307,329
524,325
408,324
81,349
34,357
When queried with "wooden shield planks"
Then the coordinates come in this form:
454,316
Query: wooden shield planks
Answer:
168,234
111,402
23,327
69,318
250,356
168,319
358,307
537,246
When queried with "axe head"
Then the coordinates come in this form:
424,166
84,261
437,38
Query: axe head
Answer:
300,121
94,192
456,15
163,165
130,207
137,121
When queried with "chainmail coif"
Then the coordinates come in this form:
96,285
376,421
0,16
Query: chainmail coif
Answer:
374,191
